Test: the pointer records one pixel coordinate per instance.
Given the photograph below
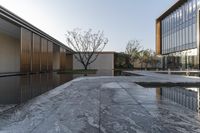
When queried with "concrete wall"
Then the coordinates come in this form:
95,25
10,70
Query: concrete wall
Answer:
9,54
105,61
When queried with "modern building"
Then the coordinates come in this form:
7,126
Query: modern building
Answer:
26,49
104,63
177,35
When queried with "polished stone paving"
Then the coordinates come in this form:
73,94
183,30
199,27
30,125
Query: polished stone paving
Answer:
101,105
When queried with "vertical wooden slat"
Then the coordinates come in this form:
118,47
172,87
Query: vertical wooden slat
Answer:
25,57
56,57
69,61
44,58
158,37
62,59
50,56
36,53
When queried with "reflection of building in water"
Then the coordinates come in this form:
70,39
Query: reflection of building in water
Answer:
158,93
188,97
19,89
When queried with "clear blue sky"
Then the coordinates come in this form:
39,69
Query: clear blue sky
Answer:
121,20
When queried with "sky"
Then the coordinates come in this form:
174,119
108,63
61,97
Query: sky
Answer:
121,20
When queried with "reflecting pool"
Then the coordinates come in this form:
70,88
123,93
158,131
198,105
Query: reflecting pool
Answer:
185,96
19,89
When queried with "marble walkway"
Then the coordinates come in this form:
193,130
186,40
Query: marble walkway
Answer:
101,105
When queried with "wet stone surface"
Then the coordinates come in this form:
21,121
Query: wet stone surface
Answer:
101,105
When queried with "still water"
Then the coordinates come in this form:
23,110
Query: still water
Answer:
19,89
195,74
15,90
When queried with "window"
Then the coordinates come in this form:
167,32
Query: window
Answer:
179,28
194,32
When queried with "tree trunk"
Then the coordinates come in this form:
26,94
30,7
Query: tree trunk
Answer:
85,67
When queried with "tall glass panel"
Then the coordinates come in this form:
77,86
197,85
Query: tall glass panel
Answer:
180,32
179,28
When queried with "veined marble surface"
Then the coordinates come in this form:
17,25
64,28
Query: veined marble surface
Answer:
101,105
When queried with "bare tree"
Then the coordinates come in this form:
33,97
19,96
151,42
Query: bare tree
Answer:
132,50
87,45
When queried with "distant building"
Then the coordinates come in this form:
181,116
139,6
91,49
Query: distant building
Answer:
104,63
26,49
177,35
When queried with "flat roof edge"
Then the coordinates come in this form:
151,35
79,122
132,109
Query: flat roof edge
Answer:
23,23
171,9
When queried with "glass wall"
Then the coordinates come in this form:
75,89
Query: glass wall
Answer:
179,29
186,59
179,37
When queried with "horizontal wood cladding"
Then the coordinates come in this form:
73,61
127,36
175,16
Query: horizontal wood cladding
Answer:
25,53
36,53
158,38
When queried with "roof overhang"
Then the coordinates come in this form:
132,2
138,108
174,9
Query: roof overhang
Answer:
11,17
171,9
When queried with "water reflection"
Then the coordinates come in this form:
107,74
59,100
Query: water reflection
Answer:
188,97
19,89
184,73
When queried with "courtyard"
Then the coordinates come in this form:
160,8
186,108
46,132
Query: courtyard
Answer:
104,105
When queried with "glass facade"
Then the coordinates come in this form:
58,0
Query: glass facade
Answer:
186,59
179,29
179,36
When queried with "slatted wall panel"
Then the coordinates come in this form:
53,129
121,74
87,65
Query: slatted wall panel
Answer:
50,56
62,59
25,53
69,61
44,58
36,53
